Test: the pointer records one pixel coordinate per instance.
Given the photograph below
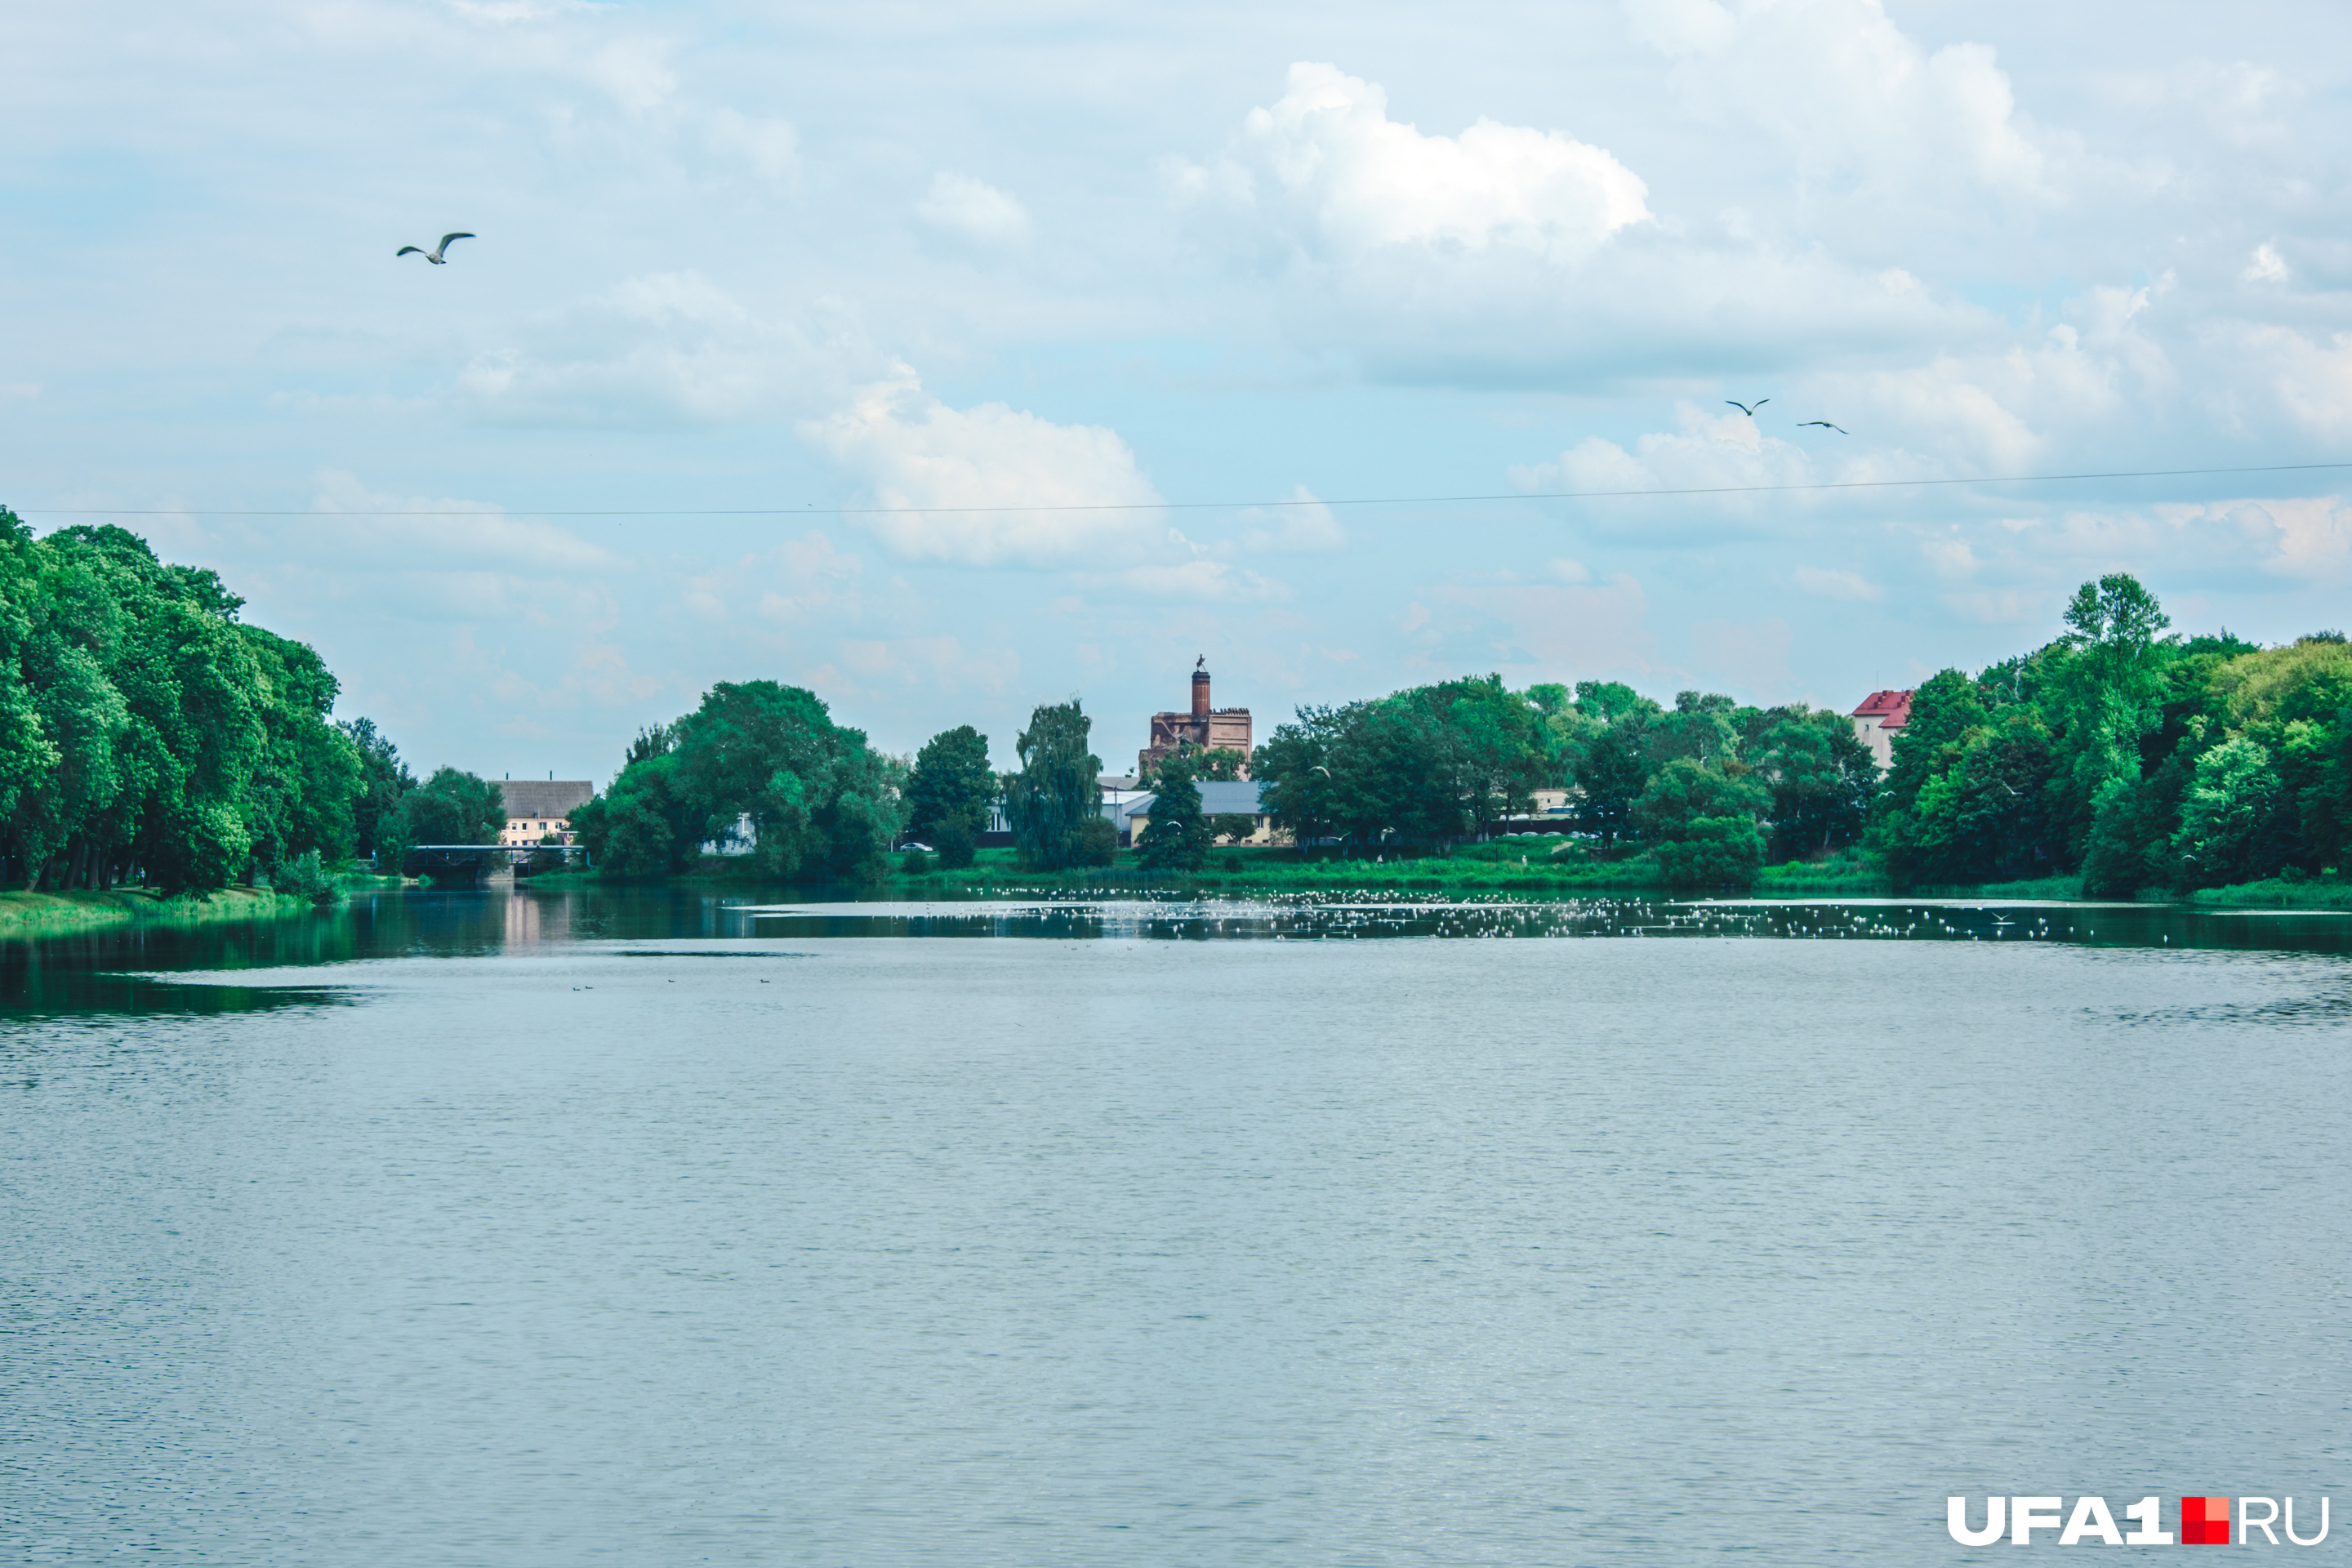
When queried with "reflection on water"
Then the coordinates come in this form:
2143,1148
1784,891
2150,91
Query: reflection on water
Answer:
103,969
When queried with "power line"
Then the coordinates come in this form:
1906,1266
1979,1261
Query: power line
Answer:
1206,505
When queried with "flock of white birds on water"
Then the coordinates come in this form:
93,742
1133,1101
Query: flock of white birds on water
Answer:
1326,917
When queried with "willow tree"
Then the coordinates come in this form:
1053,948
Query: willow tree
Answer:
1058,791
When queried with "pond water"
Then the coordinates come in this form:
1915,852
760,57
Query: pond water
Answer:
654,1228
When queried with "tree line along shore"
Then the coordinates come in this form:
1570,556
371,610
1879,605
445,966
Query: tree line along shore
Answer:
154,744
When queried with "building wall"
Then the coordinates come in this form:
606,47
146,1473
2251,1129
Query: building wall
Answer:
1879,738
1227,727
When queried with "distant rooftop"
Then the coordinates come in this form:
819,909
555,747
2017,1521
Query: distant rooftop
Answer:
544,798
1891,709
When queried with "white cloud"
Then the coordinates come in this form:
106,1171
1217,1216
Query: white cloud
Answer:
1518,254
2307,538
2312,380
1304,527
810,574
1708,451
1836,583
1562,632
636,71
1751,657
668,347
1212,580
1850,96
975,210
1358,180
769,144
415,532
1949,557
2265,266
508,13
1003,485
934,664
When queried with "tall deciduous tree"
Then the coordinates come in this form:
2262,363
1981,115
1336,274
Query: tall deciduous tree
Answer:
951,783
821,801
1059,789
146,734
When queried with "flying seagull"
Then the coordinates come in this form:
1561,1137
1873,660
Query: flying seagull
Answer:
434,255
1746,408
1824,425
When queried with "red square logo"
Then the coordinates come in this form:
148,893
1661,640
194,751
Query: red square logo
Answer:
2204,1521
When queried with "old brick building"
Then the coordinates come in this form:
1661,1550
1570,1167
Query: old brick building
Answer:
1204,726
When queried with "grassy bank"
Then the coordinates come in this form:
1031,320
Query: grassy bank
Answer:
2325,892
42,914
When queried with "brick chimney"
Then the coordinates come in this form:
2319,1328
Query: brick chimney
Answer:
1201,692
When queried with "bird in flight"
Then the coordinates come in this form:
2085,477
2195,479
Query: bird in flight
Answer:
434,255
1824,425
1747,408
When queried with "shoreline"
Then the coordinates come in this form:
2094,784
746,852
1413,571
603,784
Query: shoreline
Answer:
1232,872
84,909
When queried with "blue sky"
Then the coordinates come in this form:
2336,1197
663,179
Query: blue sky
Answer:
1011,258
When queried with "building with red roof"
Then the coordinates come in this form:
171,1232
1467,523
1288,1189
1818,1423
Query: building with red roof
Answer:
1878,720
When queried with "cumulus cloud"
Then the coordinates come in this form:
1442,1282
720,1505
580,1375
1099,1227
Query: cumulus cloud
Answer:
1358,180
1850,95
973,210
2310,377
1707,452
990,485
1514,253
2309,539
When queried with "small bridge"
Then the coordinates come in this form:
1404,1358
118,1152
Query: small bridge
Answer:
466,865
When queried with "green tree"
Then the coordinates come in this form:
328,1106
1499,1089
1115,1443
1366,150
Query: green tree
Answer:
1702,822
653,741
384,779
1609,700
453,806
1821,779
819,797
1611,777
1059,789
2224,812
1294,775
2104,693
645,825
1177,837
149,736
952,783
958,845
1489,744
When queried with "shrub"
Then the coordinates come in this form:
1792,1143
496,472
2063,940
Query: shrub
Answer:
954,842
1095,842
304,877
